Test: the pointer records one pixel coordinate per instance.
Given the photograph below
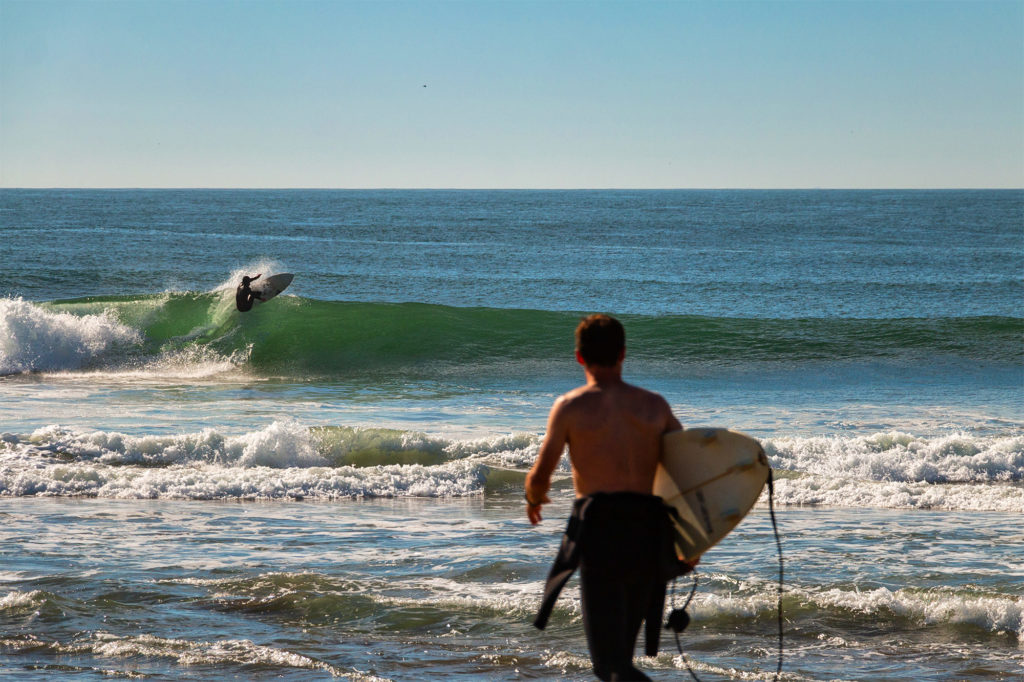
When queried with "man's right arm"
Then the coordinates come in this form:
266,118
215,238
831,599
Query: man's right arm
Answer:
538,481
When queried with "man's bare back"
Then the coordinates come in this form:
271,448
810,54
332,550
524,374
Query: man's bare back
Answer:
614,434
613,431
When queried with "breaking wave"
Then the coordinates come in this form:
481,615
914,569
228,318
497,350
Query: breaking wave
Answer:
287,460
302,337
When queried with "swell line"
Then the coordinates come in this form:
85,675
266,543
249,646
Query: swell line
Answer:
304,336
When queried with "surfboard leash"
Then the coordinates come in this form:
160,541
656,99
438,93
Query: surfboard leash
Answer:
678,619
778,545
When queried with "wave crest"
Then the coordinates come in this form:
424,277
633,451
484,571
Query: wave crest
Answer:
294,336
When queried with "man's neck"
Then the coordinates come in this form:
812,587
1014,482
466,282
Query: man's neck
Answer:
603,376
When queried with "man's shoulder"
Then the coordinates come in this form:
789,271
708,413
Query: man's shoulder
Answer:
572,397
588,397
580,399
643,393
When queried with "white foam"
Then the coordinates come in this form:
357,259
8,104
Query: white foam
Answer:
999,614
565,661
17,600
287,459
517,599
277,462
513,447
957,471
87,347
513,450
279,445
35,339
282,444
846,492
957,458
186,652
194,362
895,456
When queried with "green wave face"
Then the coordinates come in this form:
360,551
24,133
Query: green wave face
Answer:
305,337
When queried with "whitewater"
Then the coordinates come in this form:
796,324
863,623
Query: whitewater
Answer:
329,486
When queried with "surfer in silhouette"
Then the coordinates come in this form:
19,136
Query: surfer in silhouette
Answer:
619,534
244,297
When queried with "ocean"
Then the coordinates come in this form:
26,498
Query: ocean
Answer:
330,485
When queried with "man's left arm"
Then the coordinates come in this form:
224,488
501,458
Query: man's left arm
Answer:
671,423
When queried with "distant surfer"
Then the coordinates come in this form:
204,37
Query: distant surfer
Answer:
244,297
618,533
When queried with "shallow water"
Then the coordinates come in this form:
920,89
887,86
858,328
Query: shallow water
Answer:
416,589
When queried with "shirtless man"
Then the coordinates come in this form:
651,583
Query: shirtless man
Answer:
617,531
244,297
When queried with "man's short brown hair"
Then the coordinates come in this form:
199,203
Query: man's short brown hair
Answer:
600,340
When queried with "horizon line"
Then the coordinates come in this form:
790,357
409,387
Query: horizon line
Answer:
511,189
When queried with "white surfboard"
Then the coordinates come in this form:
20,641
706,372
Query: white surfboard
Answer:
266,288
712,477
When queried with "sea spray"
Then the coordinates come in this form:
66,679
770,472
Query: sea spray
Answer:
33,339
280,445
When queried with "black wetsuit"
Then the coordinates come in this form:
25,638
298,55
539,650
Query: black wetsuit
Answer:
622,543
244,298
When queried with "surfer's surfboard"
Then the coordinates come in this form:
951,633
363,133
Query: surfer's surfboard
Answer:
266,288
712,477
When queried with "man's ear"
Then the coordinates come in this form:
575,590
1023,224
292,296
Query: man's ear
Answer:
622,354
579,359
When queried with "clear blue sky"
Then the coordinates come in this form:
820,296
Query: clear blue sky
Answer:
308,93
